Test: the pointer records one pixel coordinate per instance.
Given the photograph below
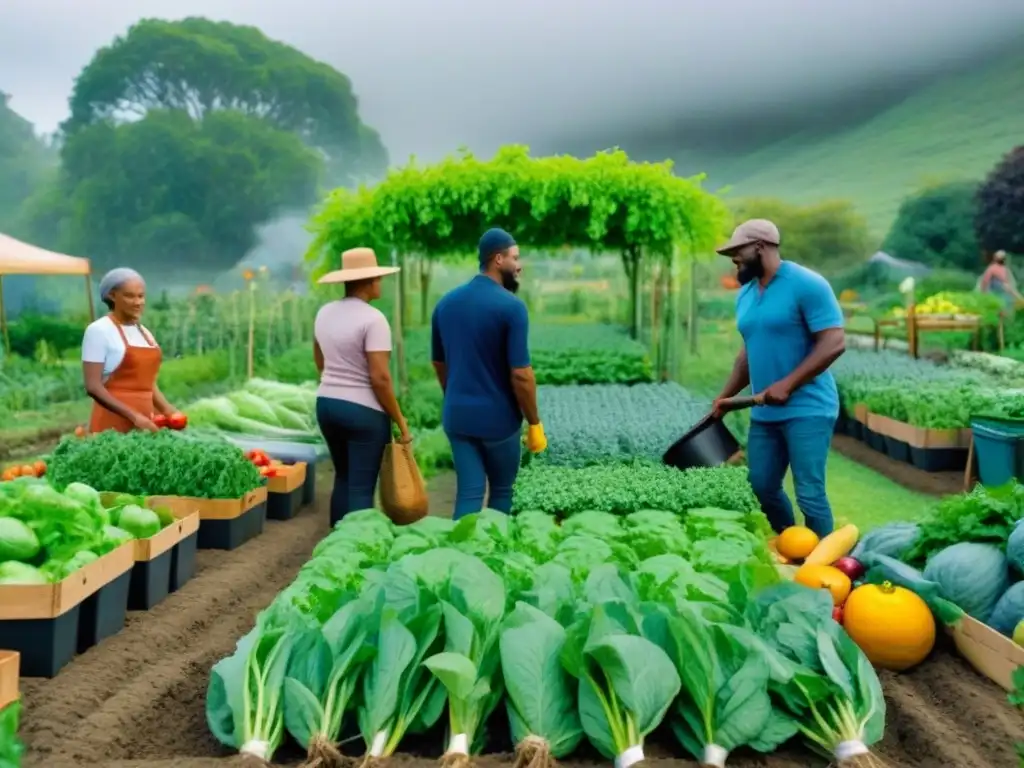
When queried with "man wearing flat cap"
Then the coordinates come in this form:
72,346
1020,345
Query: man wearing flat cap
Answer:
480,353
792,329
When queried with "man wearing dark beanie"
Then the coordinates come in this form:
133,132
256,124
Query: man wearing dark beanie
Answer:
482,359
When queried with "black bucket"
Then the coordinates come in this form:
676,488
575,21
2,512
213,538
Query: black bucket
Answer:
709,444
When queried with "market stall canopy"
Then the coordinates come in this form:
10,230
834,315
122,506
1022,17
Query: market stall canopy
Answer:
18,258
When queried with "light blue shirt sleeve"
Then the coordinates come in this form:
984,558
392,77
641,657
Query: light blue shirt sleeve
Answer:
820,306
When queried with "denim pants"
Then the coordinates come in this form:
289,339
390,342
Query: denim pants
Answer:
801,444
356,437
479,463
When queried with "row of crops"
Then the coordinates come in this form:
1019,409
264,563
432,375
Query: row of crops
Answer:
620,596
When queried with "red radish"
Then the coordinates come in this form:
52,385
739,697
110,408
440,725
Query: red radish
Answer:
850,567
837,613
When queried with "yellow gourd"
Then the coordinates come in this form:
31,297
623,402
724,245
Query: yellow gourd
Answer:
837,544
892,625
825,577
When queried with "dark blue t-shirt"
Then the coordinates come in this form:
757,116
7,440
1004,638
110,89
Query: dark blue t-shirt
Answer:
778,325
479,331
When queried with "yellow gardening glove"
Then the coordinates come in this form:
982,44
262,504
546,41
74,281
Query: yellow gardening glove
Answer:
535,439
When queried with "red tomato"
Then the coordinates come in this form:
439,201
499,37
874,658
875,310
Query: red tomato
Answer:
268,472
159,419
837,613
177,420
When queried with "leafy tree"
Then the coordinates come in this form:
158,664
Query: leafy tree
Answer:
172,195
828,235
202,66
24,162
1000,218
935,226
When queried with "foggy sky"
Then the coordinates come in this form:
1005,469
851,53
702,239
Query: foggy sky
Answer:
432,75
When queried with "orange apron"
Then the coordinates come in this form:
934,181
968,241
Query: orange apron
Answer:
132,383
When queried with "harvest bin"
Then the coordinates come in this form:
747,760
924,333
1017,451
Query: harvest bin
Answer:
932,450
997,446
42,621
104,612
223,523
154,558
285,491
289,453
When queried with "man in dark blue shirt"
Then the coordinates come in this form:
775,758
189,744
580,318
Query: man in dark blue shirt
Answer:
482,359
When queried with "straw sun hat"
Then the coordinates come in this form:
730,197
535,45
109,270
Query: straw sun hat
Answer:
357,264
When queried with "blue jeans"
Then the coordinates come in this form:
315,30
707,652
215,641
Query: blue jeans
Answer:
479,463
801,444
356,437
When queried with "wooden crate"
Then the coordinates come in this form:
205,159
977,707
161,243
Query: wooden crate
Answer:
212,509
990,653
47,601
9,669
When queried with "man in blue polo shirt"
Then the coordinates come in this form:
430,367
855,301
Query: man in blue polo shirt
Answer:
792,328
482,359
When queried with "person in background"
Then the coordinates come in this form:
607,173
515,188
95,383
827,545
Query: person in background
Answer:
998,280
121,359
356,403
792,329
481,356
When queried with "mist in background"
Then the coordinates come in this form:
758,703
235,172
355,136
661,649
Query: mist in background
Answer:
653,76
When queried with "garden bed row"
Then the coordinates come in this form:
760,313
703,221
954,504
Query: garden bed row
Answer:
47,624
931,450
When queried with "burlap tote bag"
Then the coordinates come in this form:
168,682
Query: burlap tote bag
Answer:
403,494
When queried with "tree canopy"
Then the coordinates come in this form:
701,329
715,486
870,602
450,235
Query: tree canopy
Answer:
935,226
826,235
25,162
171,194
185,137
202,66
998,222
603,203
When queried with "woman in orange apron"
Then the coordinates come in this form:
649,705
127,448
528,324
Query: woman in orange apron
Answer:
121,360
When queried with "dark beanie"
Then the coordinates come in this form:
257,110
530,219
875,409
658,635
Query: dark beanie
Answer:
493,241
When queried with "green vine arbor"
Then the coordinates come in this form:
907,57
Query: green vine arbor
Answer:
604,203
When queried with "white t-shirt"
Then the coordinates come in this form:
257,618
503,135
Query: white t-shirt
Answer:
102,343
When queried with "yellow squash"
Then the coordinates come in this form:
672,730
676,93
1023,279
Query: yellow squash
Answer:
837,544
892,625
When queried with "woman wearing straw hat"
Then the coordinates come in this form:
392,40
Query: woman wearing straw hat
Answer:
121,359
356,401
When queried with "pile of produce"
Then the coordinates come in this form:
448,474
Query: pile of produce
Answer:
36,469
262,409
163,463
614,422
968,553
176,421
891,624
11,748
598,629
46,534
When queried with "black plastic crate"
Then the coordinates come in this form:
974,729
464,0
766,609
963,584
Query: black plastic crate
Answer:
939,459
233,533
104,612
285,506
46,645
151,581
183,561
309,487
856,430
897,450
874,440
841,427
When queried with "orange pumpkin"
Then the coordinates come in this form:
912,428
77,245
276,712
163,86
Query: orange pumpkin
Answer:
892,625
825,577
796,542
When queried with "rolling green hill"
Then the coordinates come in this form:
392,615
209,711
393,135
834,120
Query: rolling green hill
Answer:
956,128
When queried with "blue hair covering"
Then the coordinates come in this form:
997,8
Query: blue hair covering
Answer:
115,278
493,241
